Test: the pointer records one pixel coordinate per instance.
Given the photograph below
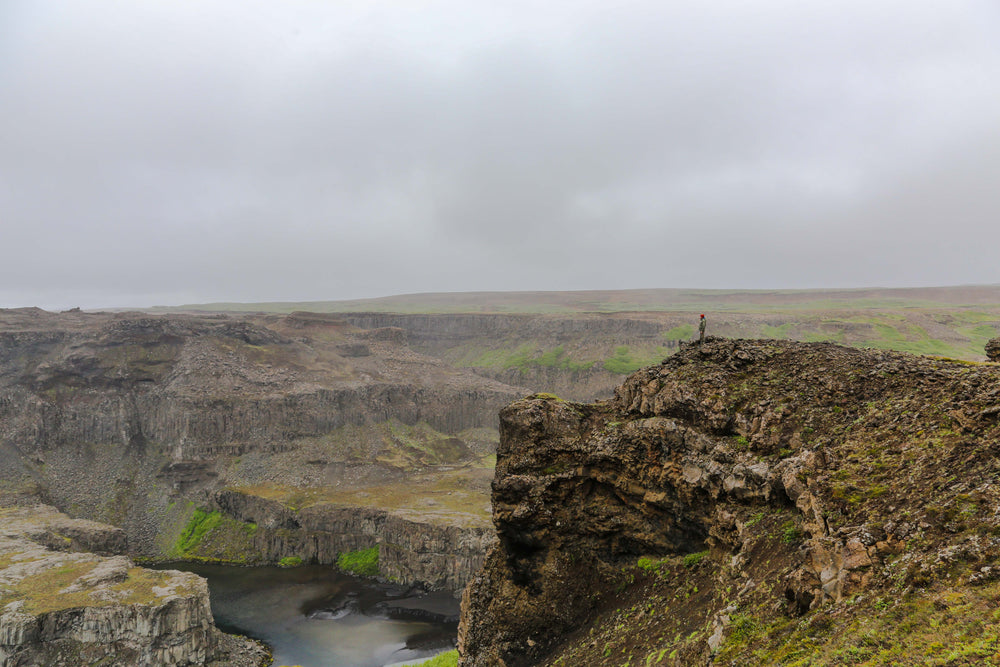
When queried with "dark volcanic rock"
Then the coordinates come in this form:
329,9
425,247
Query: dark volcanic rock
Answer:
993,349
718,450
354,350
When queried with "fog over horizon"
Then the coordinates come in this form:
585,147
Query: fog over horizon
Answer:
184,152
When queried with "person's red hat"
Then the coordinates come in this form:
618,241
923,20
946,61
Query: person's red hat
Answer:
703,314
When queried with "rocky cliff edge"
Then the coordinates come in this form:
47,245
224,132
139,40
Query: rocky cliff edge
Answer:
749,502
62,606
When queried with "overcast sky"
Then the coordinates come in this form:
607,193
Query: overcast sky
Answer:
172,151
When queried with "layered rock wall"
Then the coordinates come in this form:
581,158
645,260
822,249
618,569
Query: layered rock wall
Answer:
411,551
122,417
191,428
579,385
442,334
434,331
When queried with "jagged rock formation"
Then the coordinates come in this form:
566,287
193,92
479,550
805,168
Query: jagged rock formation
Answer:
136,419
993,349
60,606
790,478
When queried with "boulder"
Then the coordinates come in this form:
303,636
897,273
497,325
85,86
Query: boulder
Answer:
993,349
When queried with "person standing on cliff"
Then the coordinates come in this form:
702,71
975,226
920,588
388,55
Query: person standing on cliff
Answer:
701,329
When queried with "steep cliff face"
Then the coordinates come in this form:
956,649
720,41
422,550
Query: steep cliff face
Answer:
748,502
579,385
490,343
412,550
441,331
204,387
61,606
118,417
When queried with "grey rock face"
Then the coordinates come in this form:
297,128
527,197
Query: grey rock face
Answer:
66,607
436,334
121,416
993,349
411,551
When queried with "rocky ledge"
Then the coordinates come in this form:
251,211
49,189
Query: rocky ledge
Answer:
414,548
62,606
757,502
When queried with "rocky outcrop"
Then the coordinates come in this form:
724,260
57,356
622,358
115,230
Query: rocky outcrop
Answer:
993,349
799,470
58,532
66,607
412,550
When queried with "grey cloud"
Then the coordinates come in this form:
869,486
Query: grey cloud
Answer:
180,151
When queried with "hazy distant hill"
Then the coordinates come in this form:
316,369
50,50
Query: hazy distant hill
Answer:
633,300
570,330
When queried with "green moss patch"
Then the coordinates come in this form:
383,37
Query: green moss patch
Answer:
682,332
214,537
693,560
449,659
420,444
625,361
200,523
524,357
455,496
363,563
46,591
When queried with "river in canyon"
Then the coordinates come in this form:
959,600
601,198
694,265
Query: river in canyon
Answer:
318,617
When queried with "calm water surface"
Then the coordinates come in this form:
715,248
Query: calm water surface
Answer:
318,617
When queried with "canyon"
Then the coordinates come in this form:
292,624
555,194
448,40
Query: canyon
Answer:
139,420
265,438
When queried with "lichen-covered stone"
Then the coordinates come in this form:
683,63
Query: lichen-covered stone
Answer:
69,607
